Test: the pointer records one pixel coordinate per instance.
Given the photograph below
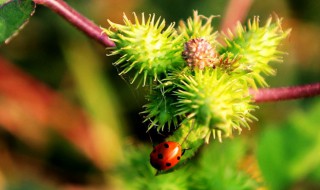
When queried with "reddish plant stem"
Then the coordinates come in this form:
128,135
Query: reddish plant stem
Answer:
285,93
236,12
78,20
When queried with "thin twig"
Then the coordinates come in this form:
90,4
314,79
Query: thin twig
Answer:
286,93
78,20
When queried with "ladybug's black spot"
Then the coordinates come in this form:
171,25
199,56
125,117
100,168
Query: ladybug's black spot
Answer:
166,145
168,164
178,157
156,165
160,156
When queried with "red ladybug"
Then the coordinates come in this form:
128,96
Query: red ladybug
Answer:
166,155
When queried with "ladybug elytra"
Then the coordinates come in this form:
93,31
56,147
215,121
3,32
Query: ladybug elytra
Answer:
166,155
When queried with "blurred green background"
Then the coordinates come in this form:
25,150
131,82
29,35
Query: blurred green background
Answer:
83,130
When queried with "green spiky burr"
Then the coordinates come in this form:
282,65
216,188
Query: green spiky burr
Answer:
193,79
160,109
196,28
148,50
255,47
213,98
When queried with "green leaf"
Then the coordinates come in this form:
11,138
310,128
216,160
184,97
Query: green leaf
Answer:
290,154
218,167
135,172
272,157
14,14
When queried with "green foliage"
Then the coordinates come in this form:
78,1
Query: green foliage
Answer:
207,93
136,173
290,154
221,174
14,14
218,167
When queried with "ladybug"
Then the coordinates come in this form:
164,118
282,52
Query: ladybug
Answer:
166,155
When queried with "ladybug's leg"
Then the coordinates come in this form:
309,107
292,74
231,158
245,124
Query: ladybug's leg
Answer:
184,150
151,139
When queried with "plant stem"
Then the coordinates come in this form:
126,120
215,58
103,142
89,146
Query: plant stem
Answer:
285,93
236,12
78,20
